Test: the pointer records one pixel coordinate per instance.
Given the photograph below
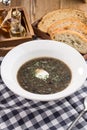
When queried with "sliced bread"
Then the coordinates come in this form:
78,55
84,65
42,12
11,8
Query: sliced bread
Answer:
71,38
68,24
56,15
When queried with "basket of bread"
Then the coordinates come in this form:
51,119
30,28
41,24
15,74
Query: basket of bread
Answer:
64,25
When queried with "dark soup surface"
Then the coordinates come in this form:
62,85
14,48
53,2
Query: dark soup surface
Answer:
44,75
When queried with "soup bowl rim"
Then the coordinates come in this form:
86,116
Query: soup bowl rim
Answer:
10,79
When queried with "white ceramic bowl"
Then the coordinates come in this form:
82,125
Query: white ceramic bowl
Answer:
39,48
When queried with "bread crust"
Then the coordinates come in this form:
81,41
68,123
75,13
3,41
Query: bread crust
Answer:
59,14
71,38
68,24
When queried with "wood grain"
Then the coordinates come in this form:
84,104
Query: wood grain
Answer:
45,6
76,4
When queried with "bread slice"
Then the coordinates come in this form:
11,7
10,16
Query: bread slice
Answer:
71,38
69,24
56,15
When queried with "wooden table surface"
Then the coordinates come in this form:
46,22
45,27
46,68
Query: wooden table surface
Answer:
44,6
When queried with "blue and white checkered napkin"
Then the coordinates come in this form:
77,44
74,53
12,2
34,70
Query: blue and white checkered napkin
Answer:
17,113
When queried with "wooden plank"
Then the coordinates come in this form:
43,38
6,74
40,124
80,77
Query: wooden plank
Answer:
16,2
13,3
70,3
42,6
76,4
45,6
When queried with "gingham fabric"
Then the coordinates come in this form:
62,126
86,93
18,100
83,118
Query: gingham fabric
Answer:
17,113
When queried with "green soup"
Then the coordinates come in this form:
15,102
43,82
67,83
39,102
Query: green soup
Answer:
44,75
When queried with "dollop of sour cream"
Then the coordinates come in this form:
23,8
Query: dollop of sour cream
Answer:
41,74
